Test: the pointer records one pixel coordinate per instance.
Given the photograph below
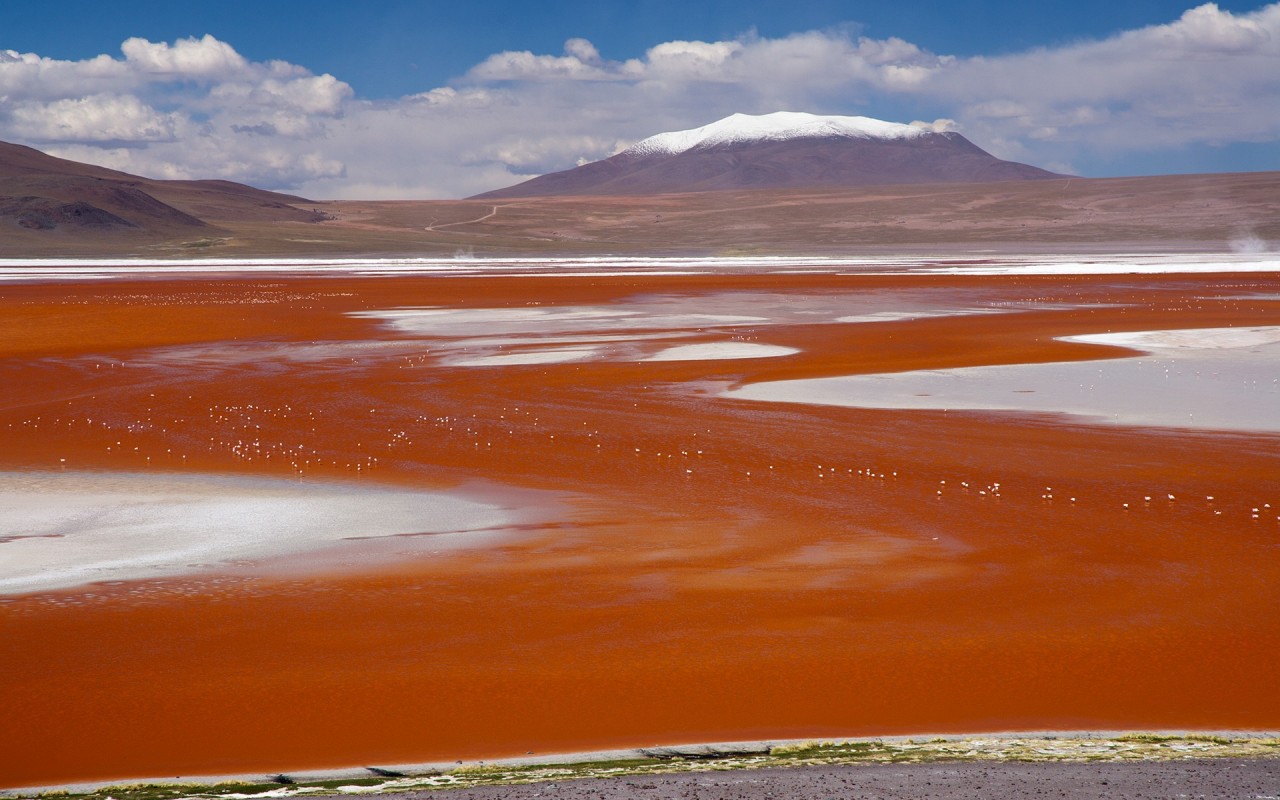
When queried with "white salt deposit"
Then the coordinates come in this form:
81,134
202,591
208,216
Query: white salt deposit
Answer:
616,332
493,337
1105,265
711,351
228,353
59,269
902,316
554,356
454,322
1185,338
461,321
1216,378
573,339
60,530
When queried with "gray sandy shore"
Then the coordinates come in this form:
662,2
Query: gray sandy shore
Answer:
1221,779
1185,764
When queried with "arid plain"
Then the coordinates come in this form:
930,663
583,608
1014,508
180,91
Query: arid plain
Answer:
1176,213
629,554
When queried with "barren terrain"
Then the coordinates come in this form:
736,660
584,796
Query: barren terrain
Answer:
1196,213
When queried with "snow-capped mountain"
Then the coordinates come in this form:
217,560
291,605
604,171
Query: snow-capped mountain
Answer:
781,150
776,127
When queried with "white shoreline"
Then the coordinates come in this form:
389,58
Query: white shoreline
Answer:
58,269
697,749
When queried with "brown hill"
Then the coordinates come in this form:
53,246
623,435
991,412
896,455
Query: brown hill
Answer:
42,196
743,152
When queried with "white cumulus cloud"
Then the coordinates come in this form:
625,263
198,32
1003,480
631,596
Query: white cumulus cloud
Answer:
1208,77
97,118
197,108
186,58
191,108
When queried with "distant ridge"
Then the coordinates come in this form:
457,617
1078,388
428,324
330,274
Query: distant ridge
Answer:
780,150
40,193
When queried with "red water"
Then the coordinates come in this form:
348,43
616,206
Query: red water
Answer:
755,596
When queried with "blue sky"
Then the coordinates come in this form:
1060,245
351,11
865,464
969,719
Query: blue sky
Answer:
430,99
388,48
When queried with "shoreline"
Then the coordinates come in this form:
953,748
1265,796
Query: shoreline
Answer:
979,263
1001,746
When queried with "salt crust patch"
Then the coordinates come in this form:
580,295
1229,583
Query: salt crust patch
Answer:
531,335
482,337
1185,338
493,337
227,353
60,530
557,319
711,351
55,269
1216,379
902,316
558,356
587,339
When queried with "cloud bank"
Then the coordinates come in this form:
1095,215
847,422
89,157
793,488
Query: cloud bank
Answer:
197,108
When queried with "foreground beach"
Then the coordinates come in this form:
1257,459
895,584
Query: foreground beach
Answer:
635,556
1013,781
1070,764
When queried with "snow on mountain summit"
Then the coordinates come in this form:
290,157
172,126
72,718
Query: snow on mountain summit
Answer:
782,150
778,126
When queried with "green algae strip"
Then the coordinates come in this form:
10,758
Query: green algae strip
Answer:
700,758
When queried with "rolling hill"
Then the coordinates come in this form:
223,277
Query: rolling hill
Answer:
43,196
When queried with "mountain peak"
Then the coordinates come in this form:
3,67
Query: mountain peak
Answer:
778,126
786,149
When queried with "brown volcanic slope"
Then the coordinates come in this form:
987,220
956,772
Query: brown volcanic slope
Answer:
811,161
115,214
1149,214
45,198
